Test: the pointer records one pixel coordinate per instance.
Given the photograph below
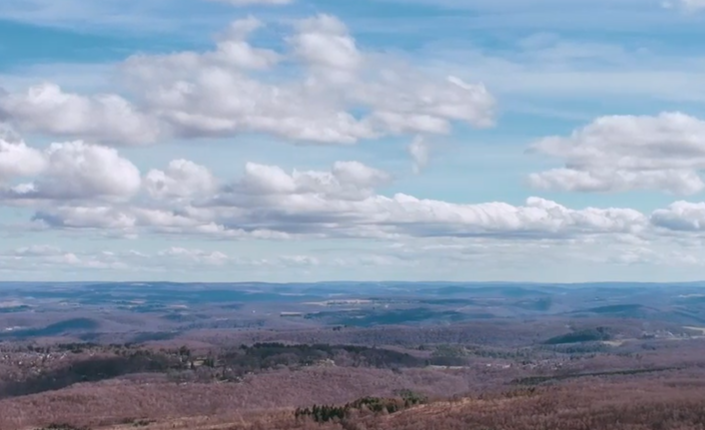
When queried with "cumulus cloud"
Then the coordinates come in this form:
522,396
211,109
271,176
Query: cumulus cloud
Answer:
359,175
324,43
109,118
76,187
106,217
482,229
182,178
19,160
78,171
681,216
269,202
346,180
131,220
233,50
321,88
621,153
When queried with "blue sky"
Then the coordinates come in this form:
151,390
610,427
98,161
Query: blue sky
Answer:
231,140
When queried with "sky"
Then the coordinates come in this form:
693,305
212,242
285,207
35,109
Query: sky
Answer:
314,140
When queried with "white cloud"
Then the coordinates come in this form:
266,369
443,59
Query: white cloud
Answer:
269,203
82,187
621,153
128,221
320,84
104,217
322,89
358,174
182,178
233,50
79,171
349,179
19,160
536,219
105,118
324,42
681,216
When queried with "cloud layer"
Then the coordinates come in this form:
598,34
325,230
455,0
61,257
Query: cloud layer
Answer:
84,192
321,88
94,192
79,186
